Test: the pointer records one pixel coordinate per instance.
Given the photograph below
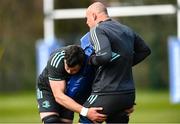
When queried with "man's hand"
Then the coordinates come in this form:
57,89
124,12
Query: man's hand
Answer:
95,116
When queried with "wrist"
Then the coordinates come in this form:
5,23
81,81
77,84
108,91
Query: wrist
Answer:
84,111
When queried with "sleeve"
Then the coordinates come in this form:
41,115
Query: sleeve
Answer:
141,50
101,46
56,67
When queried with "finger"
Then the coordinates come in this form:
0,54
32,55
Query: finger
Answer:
98,108
101,119
102,115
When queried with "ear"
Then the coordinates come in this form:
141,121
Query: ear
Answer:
94,16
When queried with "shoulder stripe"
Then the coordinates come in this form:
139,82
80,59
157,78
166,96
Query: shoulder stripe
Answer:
92,37
57,58
59,61
54,57
95,39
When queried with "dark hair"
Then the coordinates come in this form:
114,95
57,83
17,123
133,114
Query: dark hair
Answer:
74,55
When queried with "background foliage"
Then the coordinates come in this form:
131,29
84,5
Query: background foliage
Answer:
21,25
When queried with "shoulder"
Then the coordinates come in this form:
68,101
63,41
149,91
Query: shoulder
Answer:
56,58
96,30
55,67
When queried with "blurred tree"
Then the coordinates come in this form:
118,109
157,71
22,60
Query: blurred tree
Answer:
71,30
21,25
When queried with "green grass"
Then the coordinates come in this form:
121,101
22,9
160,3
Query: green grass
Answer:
152,107
155,107
18,107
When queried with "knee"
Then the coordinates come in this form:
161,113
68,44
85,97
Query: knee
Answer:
51,119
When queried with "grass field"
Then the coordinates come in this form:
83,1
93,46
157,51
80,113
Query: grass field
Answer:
152,107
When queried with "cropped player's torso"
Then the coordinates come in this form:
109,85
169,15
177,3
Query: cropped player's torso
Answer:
116,75
54,70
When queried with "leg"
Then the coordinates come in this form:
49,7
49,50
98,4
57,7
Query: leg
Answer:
66,116
121,117
50,111
114,106
51,119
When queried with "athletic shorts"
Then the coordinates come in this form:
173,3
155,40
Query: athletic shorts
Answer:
47,103
114,106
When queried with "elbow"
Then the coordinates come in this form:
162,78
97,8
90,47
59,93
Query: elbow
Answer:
140,56
102,60
148,51
56,98
59,99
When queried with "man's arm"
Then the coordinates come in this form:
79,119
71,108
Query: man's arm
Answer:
141,50
102,47
58,88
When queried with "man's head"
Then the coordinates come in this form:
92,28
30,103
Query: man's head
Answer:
96,13
73,59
